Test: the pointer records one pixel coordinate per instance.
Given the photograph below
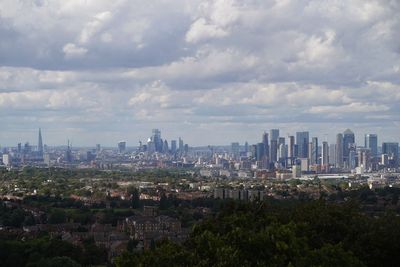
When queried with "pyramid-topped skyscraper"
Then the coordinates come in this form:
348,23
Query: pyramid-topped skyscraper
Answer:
40,143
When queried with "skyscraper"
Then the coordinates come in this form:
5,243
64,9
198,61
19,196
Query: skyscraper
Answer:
180,145
235,149
266,143
173,146
68,153
260,152
281,140
274,134
339,150
325,155
392,151
371,142
282,152
364,157
40,143
302,140
348,145
314,151
332,154
121,146
291,153
273,150
156,138
165,147
246,147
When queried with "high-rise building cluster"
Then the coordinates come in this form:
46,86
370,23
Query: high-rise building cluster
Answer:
155,144
309,154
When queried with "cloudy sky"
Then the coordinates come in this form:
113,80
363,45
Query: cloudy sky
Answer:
213,72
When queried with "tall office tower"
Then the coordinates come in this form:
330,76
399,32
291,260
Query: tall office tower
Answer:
392,152
309,156
68,153
27,148
246,147
253,151
165,147
151,147
156,138
173,146
364,158
325,155
266,144
98,148
296,151
161,145
348,144
291,153
371,142
121,146
282,152
282,158
274,134
352,158
180,145
235,150
302,140
274,150
339,150
332,154
40,142
314,150
281,140
260,151
19,149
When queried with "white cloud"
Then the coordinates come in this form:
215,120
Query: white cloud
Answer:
72,50
200,31
92,27
356,107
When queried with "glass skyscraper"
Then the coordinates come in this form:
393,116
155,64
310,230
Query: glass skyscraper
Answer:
371,142
302,140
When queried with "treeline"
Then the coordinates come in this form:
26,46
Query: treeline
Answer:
44,252
294,233
62,173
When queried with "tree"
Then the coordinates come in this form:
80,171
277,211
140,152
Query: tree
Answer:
135,197
57,216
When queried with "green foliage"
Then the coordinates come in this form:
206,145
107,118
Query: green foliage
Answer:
135,200
14,216
49,252
282,234
57,216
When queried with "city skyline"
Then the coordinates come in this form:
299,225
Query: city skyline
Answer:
360,140
214,72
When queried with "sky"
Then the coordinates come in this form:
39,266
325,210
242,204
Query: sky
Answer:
210,71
